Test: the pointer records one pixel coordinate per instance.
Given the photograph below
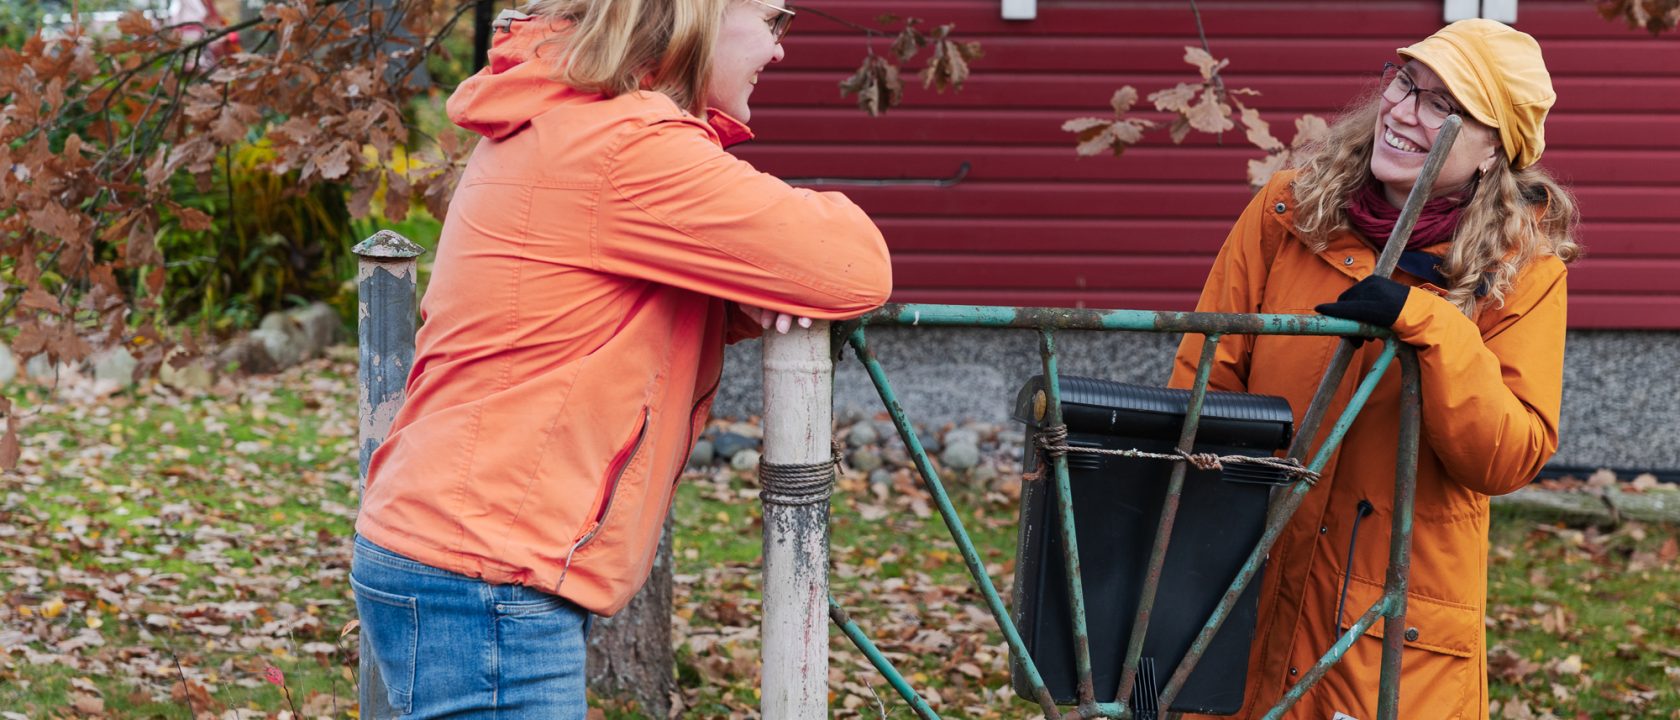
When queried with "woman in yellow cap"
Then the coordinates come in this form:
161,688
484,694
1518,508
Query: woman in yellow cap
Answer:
1480,292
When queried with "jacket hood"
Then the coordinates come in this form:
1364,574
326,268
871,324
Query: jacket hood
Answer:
515,87
518,85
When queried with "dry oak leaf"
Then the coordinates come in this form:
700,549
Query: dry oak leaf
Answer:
909,41
1259,131
1211,114
1175,99
877,85
1099,134
1309,129
1204,62
948,68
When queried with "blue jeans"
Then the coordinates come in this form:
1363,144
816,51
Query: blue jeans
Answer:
447,645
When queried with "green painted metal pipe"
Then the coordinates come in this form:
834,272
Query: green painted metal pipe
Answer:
1343,644
948,512
1275,523
987,316
1064,507
1164,528
1357,403
1400,536
880,661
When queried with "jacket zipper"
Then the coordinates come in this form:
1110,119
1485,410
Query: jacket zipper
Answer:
606,507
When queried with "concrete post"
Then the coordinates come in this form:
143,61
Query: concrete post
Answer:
386,276
797,477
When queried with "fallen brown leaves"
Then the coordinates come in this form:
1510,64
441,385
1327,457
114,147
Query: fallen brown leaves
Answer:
164,550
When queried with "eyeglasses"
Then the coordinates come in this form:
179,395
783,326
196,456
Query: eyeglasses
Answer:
780,21
1432,107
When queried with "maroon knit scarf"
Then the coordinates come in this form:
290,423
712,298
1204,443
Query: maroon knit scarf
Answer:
1370,213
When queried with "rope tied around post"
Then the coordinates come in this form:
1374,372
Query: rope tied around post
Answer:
1052,443
794,485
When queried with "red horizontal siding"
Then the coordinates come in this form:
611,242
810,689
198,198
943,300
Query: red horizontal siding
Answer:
1086,92
1032,224
1580,167
1143,272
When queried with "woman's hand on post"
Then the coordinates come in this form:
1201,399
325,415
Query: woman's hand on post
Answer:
783,322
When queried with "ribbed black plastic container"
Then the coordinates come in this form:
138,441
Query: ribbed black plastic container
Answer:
1117,507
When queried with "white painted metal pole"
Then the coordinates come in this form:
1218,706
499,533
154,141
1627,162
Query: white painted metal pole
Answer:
798,430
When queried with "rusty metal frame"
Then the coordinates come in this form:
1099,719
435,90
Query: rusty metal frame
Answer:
1391,607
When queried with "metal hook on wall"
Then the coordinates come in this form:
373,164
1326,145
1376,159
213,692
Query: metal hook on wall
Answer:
960,175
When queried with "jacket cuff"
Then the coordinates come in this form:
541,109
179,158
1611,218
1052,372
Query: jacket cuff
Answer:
1425,316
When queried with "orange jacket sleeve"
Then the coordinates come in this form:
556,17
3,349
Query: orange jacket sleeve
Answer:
686,213
1234,285
1492,392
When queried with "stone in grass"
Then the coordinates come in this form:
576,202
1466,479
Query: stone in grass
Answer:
880,476
279,346
862,434
744,461
321,325
960,456
193,375
728,444
114,366
984,476
865,459
929,441
962,436
702,455
8,364
747,429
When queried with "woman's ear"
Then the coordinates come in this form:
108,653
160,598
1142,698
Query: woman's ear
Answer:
1486,165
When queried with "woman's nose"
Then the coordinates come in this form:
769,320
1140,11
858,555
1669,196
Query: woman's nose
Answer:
780,53
1406,109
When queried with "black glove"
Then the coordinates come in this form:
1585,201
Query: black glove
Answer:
1373,301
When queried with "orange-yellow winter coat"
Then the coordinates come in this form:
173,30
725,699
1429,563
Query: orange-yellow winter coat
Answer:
585,282
1491,392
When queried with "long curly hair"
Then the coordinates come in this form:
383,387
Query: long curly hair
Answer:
1511,218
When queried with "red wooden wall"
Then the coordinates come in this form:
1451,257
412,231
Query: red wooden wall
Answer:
1032,224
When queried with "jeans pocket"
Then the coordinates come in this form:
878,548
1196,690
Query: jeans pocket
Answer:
391,632
519,601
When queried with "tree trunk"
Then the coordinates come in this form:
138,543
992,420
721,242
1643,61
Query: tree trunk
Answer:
630,657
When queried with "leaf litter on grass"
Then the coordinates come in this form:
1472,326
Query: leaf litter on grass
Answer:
163,550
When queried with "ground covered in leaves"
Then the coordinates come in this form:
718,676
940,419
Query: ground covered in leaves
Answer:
173,556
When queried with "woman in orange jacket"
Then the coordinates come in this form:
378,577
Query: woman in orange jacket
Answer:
1480,293
600,250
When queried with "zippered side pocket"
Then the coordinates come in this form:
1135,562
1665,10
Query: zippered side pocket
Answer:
610,493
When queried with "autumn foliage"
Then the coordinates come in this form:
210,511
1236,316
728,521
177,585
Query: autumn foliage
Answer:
877,82
1206,106
1655,16
101,131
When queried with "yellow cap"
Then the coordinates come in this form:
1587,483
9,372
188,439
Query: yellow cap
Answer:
1497,74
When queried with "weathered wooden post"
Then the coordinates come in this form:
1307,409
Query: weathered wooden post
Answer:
386,276
797,477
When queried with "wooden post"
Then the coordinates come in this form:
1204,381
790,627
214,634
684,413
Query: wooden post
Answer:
386,277
797,477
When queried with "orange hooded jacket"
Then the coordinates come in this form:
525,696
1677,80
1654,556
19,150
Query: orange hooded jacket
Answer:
585,283
1492,387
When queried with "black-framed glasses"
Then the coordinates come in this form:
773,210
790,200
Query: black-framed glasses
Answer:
779,22
1432,107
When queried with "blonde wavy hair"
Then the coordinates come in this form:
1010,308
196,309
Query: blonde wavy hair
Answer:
1511,218
615,47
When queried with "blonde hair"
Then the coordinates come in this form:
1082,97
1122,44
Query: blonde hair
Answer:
1511,218
615,47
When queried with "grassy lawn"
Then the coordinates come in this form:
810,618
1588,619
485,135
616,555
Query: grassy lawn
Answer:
160,553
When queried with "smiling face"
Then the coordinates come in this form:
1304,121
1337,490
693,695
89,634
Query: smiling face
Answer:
1403,141
745,45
